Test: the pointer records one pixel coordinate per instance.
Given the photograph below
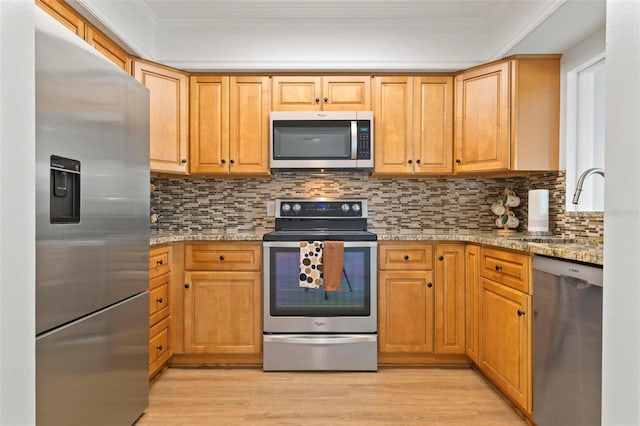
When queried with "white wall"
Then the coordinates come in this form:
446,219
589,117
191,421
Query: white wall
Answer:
621,321
17,213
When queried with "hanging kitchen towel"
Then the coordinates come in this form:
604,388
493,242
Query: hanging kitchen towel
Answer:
332,264
310,264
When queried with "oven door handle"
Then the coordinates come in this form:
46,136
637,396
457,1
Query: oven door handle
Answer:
320,340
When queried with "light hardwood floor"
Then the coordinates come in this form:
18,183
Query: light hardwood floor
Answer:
249,396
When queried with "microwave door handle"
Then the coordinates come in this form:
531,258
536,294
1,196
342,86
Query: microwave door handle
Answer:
354,140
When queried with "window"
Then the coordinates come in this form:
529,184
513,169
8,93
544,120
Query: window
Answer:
585,133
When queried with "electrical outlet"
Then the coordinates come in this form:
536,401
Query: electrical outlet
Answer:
271,208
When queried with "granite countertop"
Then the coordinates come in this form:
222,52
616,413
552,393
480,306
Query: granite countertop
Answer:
581,250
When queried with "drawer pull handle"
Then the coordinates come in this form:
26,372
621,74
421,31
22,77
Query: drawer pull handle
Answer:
221,257
159,347
159,300
187,285
520,312
406,257
498,268
159,262
429,285
440,257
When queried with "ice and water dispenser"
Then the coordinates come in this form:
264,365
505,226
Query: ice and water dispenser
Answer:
64,206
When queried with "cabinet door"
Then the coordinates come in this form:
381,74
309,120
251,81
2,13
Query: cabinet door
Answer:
405,311
64,14
472,287
346,93
249,106
168,116
109,49
505,328
209,124
392,109
483,119
433,125
296,93
450,298
222,312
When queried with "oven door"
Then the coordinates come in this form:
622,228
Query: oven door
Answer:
289,308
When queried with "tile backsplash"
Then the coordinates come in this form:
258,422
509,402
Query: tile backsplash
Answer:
395,205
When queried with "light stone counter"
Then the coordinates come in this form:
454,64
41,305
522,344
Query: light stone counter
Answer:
581,250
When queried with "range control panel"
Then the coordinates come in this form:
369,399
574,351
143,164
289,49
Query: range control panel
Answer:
351,208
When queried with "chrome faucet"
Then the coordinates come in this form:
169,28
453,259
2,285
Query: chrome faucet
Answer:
583,176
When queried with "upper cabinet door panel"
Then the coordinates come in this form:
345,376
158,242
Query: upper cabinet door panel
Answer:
63,14
168,117
482,119
346,93
295,93
109,49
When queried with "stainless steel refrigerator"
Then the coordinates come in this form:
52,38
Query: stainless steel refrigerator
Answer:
92,242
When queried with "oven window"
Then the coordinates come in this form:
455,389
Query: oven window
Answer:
289,299
311,139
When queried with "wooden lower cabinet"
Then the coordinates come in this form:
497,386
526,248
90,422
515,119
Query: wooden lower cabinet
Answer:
450,298
472,299
160,348
505,336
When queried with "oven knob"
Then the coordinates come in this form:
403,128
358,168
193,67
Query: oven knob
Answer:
297,207
285,208
355,208
345,207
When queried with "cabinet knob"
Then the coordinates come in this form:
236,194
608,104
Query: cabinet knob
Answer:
231,161
520,312
409,161
317,100
159,262
326,99
498,268
458,160
159,347
406,257
221,257
159,300
183,161
440,257
187,285
418,161
429,285
223,161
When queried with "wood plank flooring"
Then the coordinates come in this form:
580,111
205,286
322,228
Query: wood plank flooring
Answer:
249,396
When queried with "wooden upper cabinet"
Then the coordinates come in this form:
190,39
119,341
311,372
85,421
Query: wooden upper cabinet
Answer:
315,93
64,14
393,124
433,125
230,125
507,115
108,48
209,104
168,117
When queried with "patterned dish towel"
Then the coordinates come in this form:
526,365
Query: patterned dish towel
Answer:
310,264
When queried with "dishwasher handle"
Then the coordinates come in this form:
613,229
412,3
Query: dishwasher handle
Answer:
589,274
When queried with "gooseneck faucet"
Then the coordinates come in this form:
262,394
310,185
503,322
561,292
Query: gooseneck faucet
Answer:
581,179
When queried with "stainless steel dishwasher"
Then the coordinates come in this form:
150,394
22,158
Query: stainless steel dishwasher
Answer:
567,342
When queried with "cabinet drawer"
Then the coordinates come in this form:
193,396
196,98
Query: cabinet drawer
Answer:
159,306
504,267
405,256
159,341
223,257
159,261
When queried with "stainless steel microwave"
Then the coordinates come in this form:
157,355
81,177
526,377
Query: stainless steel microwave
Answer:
321,139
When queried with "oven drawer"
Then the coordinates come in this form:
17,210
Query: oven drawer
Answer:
320,352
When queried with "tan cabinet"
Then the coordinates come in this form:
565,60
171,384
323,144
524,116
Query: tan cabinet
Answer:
160,259
405,298
450,298
507,115
472,298
222,298
168,116
414,125
315,93
64,14
108,48
230,125
505,323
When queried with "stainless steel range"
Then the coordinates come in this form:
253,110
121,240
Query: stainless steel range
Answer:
320,328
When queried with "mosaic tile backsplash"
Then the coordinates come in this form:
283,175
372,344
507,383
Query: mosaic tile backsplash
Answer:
395,205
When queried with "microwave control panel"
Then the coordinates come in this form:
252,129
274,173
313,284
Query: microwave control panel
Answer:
364,140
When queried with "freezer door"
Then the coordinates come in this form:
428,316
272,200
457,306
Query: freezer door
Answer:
95,371
92,180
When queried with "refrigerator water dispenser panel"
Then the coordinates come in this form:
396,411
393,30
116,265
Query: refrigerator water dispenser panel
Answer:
64,204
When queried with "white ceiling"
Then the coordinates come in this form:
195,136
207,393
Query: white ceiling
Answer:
371,35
